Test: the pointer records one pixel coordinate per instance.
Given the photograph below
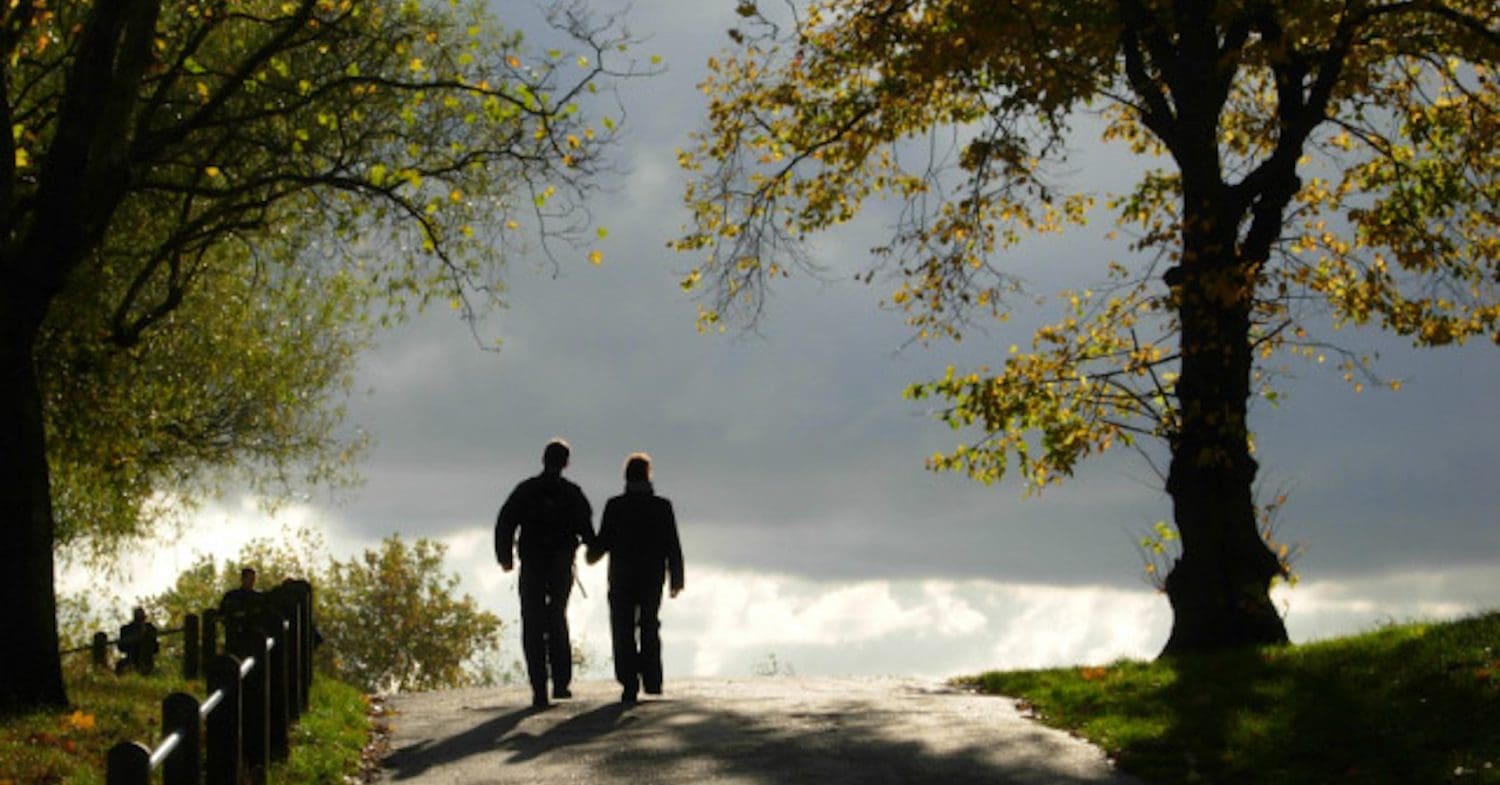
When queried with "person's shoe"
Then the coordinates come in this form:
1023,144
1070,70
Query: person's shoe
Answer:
628,698
653,689
539,699
562,693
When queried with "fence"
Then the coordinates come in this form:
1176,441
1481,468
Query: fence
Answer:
194,661
256,691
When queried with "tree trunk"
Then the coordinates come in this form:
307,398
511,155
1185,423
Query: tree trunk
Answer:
1220,587
30,665
83,176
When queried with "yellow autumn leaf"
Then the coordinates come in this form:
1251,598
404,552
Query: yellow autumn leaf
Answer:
78,720
596,258
513,61
211,171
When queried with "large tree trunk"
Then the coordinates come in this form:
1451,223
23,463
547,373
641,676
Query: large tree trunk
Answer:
84,174
1220,587
30,666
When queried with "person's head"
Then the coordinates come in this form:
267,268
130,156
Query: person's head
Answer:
555,457
247,578
139,614
638,468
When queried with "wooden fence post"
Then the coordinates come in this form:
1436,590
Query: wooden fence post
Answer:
277,720
295,651
128,763
255,701
179,714
191,661
223,742
307,640
100,650
208,648
289,600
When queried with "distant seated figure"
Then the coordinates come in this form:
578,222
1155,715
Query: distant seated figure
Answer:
639,532
241,605
138,643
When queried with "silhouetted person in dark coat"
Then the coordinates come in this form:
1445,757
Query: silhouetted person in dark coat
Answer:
553,517
138,643
639,532
241,605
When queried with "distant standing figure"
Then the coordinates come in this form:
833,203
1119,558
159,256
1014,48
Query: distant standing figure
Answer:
553,517
240,605
138,643
639,532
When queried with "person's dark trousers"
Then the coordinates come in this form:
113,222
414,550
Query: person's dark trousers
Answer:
635,610
545,587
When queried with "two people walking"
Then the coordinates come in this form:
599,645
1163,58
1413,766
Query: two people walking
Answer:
638,532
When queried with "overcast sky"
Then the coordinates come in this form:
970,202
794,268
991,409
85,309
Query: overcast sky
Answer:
812,531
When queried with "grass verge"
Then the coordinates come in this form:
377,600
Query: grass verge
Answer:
327,742
53,747
1406,705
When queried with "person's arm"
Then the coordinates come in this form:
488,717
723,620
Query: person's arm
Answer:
598,546
585,521
505,530
674,550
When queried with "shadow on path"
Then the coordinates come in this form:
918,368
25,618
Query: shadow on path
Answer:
693,740
415,759
577,730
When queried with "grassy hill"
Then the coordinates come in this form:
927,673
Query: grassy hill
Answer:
1407,704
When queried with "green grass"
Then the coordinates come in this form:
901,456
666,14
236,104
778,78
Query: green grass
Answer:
327,742
47,747
1405,705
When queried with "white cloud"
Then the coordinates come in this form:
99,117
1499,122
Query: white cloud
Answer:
1325,608
730,621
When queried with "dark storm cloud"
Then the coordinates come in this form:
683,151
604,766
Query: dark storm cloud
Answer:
791,449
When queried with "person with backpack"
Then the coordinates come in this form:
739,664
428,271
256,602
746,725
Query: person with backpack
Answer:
639,532
553,517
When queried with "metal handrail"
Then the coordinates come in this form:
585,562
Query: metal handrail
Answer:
164,749
210,703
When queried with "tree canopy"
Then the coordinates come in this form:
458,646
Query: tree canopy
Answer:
242,381
202,199
1299,160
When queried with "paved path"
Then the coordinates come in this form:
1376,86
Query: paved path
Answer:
747,732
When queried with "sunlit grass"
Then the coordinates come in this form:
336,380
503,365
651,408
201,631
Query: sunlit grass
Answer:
69,746
326,743
1414,703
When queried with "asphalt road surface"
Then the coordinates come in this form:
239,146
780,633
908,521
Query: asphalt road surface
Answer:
753,731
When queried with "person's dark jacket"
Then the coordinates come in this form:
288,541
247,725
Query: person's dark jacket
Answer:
552,515
138,640
240,604
639,532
